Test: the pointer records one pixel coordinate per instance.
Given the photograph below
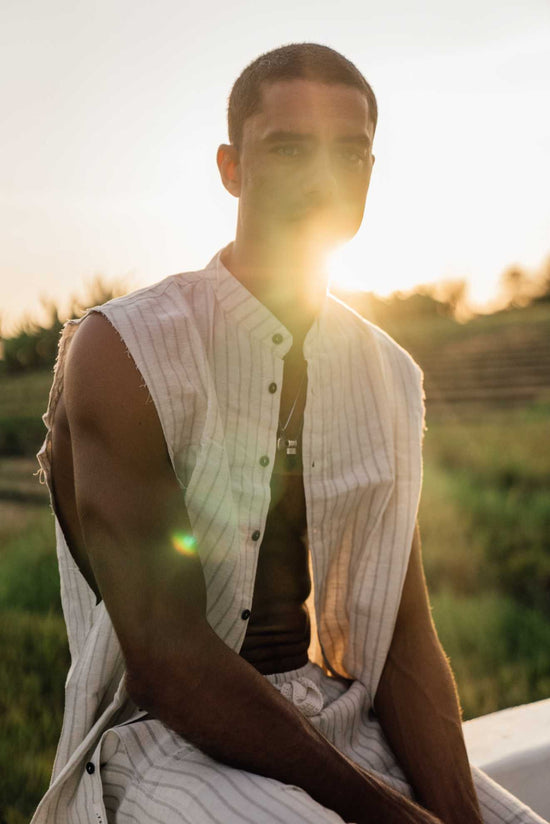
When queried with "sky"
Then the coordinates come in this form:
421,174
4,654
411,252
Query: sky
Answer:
112,112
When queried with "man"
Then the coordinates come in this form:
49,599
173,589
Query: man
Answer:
208,437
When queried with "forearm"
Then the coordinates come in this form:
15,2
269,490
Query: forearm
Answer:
226,708
418,708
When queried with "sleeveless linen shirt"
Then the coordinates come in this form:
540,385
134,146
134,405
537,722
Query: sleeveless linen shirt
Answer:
208,352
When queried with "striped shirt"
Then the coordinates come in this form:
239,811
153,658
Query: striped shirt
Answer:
208,352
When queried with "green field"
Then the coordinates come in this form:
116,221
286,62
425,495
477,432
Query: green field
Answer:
485,523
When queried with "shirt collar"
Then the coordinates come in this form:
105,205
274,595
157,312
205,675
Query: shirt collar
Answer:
252,315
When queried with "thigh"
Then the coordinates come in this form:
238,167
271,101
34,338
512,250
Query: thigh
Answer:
150,774
348,723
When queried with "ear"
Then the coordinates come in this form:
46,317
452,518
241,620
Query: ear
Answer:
230,170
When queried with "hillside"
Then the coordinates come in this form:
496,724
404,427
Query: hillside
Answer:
498,360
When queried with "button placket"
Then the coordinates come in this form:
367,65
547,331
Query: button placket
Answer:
270,407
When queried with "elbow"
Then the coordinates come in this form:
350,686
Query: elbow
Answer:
156,690
141,686
159,677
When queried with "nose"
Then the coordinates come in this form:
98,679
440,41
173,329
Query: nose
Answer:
320,187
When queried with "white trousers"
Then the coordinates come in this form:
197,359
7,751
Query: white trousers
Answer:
149,775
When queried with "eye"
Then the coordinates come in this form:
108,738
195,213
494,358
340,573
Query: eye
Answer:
353,157
288,150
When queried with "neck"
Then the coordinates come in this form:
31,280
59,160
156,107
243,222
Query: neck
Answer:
288,278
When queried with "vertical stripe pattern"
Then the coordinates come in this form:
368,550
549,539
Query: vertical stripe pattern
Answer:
207,351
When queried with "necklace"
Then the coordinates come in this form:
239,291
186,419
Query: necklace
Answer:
289,445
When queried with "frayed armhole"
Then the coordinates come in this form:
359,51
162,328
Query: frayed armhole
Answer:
44,455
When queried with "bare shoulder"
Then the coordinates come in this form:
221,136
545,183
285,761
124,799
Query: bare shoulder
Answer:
98,355
105,392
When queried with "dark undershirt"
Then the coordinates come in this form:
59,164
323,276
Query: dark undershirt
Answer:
278,633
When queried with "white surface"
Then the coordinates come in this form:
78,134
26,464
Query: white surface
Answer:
513,747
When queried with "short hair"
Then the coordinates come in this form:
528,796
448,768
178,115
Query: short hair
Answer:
297,60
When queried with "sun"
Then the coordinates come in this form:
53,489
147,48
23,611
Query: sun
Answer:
354,268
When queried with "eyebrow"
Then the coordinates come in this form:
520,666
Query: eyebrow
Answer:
299,137
279,136
360,138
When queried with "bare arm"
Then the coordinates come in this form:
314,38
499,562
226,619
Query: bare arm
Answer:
418,708
130,505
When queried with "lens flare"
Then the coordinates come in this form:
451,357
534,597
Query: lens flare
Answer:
184,543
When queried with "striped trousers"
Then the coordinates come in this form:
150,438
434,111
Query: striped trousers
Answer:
149,775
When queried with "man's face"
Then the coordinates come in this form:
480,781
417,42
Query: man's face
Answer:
305,162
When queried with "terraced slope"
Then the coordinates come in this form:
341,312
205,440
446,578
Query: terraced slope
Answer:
491,361
495,366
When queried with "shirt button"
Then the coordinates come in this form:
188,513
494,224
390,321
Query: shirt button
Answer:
277,338
264,460
245,614
272,388
90,768
256,535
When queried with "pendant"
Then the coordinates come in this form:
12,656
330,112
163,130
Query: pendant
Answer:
288,445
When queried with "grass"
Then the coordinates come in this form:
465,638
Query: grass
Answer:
34,666
29,578
485,524
24,394
499,650
35,658
497,446
485,509
23,400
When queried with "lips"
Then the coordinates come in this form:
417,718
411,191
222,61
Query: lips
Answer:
315,207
